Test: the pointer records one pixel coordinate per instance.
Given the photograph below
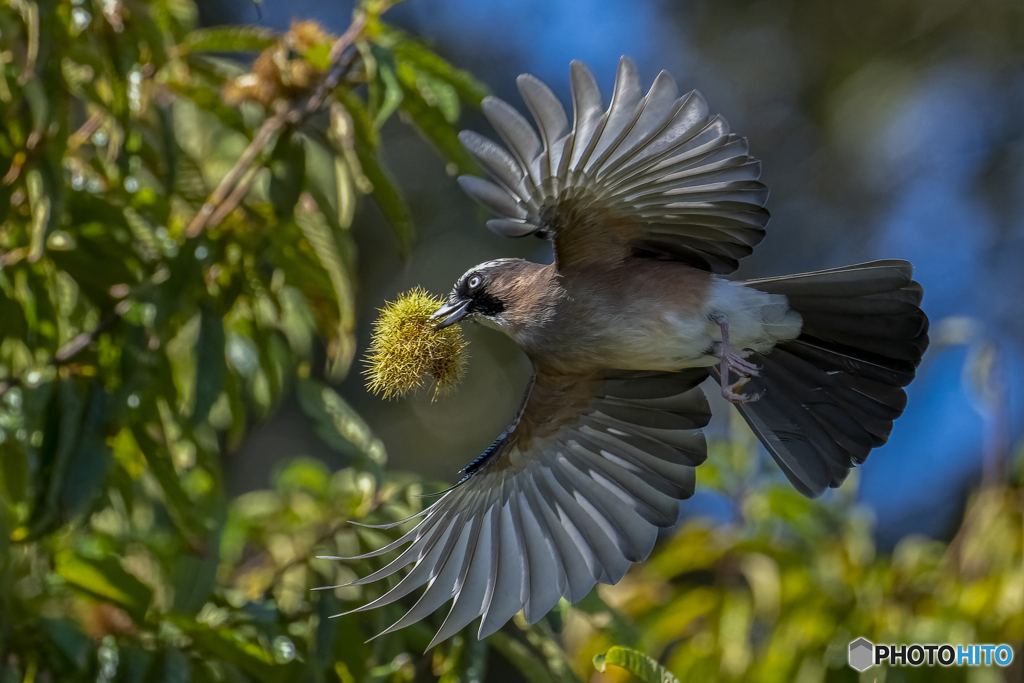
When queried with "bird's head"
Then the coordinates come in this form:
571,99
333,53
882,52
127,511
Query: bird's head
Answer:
501,294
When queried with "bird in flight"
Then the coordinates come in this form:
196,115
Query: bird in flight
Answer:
649,205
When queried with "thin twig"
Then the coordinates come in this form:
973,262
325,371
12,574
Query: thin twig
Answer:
224,198
235,198
75,346
83,134
227,184
304,559
67,353
30,15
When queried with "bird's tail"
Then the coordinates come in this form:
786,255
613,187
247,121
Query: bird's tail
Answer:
831,395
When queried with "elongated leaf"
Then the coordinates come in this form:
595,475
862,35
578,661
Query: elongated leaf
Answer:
106,580
59,439
637,663
287,171
210,363
433,124
171,666
226,645
209,100
331,181
13,471
422,58
304,271
385,190
134,662
436,93
385,91
178,504
98,262
89,463
522,658
338,424
69,639
342,347
229,39
11,313
389,198
195,578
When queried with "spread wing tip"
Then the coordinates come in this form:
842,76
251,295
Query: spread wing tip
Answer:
659,160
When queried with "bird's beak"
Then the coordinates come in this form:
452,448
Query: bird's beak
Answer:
449,314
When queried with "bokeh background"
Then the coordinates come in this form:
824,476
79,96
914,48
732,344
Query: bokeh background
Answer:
166,500
887,129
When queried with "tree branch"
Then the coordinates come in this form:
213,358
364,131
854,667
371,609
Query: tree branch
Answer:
226,197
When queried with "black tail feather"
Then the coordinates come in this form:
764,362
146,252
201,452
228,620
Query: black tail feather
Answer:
831,395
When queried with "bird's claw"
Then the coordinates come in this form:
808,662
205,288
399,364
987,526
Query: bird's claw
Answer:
745,370
731,392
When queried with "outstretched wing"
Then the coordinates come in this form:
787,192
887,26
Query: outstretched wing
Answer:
571,494
654,175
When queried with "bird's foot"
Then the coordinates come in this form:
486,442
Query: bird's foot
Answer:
744,369
737,363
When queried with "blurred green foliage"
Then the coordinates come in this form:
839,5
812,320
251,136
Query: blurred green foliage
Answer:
780,591
176,256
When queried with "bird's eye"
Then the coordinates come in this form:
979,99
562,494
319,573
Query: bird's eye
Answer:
474,282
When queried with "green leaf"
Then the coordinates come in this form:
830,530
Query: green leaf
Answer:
385,191
90,462
424,59
437,94
287,171
304,473
209,100
617,628
338,424
134,663
330,182
13,471
229,39
195,578
385,91
321,658
189,182
436,127
647,669
40,205
389,198
211,363
69,639
228,646
98,262
316,231
13,317
61,420
106,580
172,666
178,504
522,658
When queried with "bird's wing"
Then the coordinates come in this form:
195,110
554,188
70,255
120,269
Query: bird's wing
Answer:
653,175
571,494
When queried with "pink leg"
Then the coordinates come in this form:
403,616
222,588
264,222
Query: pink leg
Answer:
736,362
